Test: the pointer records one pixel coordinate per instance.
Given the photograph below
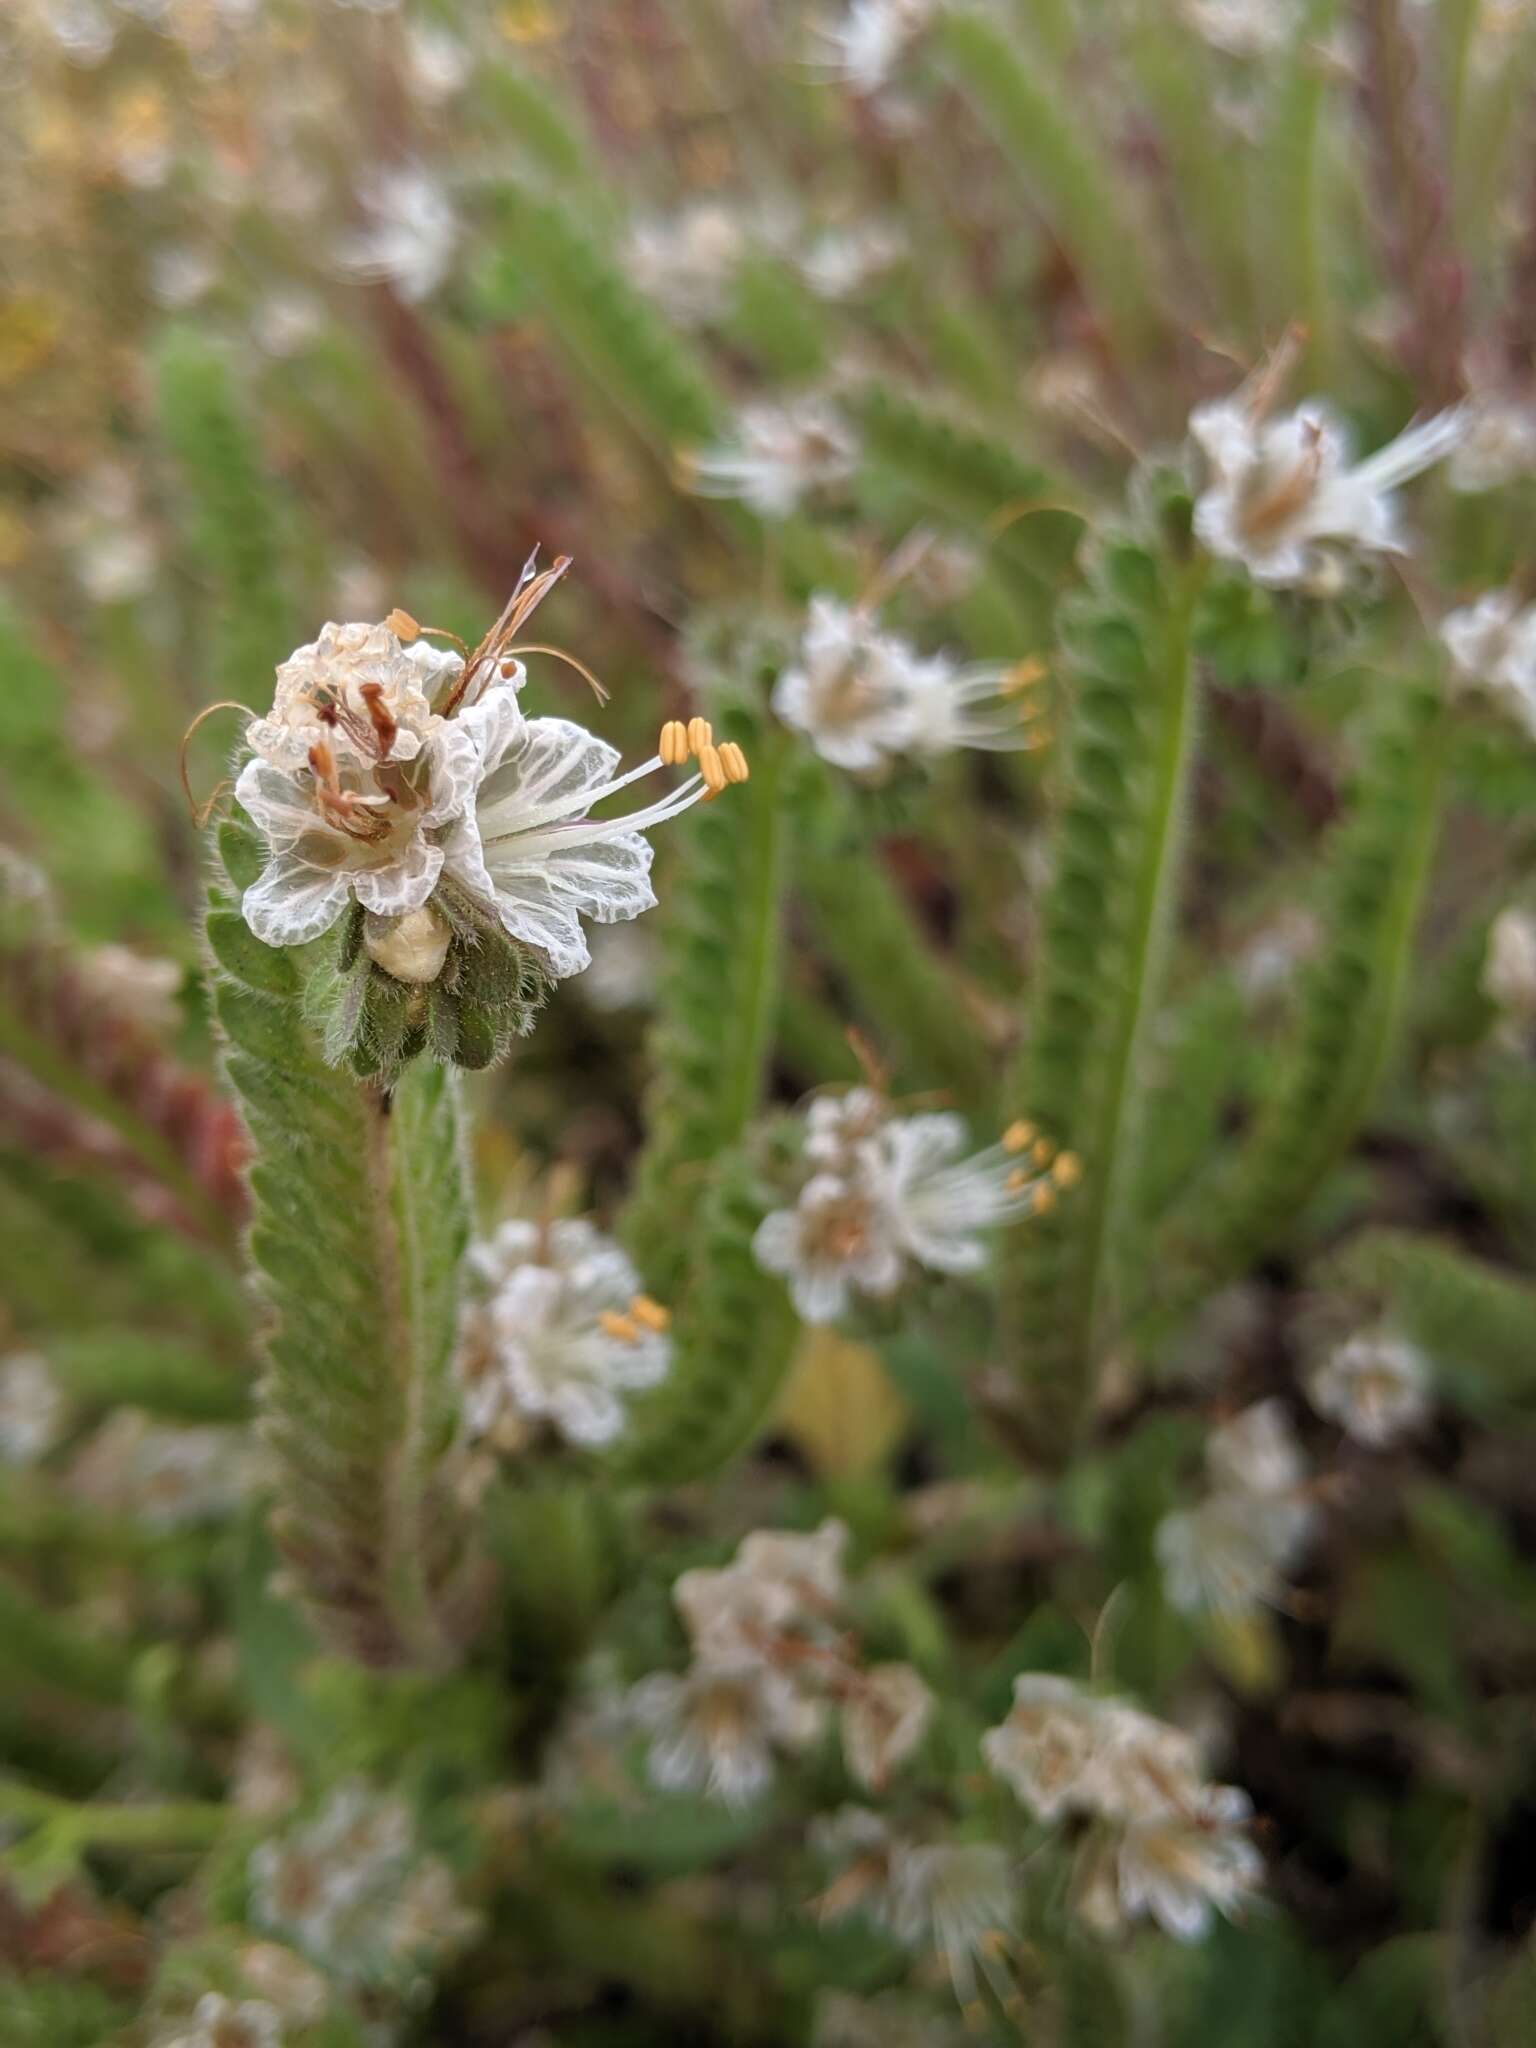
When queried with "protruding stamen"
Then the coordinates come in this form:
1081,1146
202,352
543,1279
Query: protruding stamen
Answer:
711,767
379,717
650,1313
701,734
1045,1199
1067,1171
1017,1181
1022,676
1042,1151
673,743
322,764
403,626
1019,1136
623,1327
734,762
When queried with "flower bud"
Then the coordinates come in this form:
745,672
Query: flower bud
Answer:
411,948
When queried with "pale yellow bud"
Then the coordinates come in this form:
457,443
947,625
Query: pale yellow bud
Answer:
411,948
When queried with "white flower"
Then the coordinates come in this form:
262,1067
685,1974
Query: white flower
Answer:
957,1898
835,1125
1245,28
686,261
438,65
715,1727
410,231
33,1409
885,1716
1256,1452
863,696
1046,1749
778,1584
939,1203
359,689
527,844
1492,645
1376,1388
1280,490
1500,444
563,1333
1193,1860
863,48
778,455
839,1239
840,261
860,1846
1509,965
1143,1767
218,2022
167,1477
1226,1555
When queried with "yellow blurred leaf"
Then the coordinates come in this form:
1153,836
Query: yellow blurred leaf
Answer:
1247,1650
840,1407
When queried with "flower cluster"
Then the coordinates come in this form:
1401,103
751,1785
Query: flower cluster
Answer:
1232,1551
1376,1387
1284,496
863,696
559,1333
888,1192
771,1659
1166,1843
388,770
353,1890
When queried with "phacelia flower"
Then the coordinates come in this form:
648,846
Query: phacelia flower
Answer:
1376,1387
715,1727
1492,645
33,1408
687,261
863,696
409,235
1256,1452
1281,493
1189,1862
888,1191
886,1712
778,455
959,1900
561,1333
167,1477
863,47
841,261
1231,1551
1049,1744
1499,444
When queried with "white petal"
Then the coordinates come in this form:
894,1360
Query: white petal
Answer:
292,903
555,762
404,885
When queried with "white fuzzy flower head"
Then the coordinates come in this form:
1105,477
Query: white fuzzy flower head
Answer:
839,262
1376,1387
688,260
410,231
885,1716
1492,645
562,1334
959,1900
1283,495
1256,1452
33,1408
864,45
1226,1555
1509,965
779,1586
838,1240
1245,28
1499,446
715,1728
778,455
1046,1750
220,2022
1185,1864
863,696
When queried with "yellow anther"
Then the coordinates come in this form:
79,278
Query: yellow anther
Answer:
701,734
1067,1171
734,762
1023,675
1017,1181
650,1313
403,626
612,1324
1042,1151
1019,1136
1045,1199
711,767
673,744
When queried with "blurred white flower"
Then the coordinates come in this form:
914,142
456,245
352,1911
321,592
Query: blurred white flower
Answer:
1376,1387
1280,492
437,64
1257,1451
1222,1556
839,262
863,47
715,1727
838,1240
130,988
102,527
780,1583
410,233
83,29
778,454
958,1899
282,1977
562,1333
167,1477
1492,645
1509,965
33,1408
218,2022
286,322
885,1715
687,261
181,272
941,1203
1269,960
1499,445
1189,1862
1046,1749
